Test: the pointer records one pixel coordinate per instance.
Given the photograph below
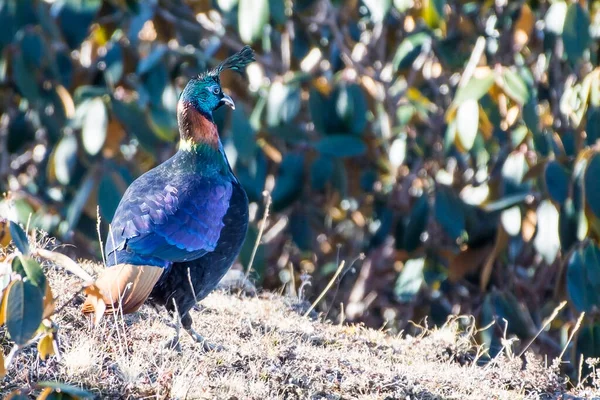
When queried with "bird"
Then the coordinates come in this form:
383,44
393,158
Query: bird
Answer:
180,226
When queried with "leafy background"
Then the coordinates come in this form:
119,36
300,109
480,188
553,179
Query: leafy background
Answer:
446,150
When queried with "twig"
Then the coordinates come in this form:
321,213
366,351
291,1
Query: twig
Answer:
64,262
261,229
575,329
473,61
333,278
547,322
9,358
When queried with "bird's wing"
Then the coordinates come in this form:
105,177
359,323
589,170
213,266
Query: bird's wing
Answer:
175,222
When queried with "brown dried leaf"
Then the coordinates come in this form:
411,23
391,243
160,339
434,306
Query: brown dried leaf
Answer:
467,262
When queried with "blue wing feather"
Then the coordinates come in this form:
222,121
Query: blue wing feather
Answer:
164,218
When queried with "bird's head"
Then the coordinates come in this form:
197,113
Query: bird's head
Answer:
204,93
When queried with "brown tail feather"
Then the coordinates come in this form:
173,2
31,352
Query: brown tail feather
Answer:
130,283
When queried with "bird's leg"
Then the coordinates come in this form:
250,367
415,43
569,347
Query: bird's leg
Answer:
162,319
186,321
174,342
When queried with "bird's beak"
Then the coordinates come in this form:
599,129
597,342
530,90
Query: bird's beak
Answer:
227,100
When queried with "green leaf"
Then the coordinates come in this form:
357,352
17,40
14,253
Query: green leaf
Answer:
259,264
409,50
409,280
302,234
397,152
25,78
511,220
252,176
513,171
587,346
508,307
76,206
467,124
67,389
576,32
378,9
163,123
514,86
19,237
135,122
64,159
557,179
474,90
592,127
33,271
591,184
547,241
75,18
244,136
568,225
530,116
506,202
23,311
155,57
321,172
111,188
417,222
351,108
95,126
283,103
341,146
555,17
289,183
583,278
253,15
449,212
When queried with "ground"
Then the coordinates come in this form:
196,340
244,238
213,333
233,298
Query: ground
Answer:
272,351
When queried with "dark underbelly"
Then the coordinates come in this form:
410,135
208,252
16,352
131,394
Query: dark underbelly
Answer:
189,282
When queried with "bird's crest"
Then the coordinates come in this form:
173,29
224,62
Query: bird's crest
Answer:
236,62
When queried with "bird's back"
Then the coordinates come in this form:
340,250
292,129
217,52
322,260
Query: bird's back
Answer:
172,213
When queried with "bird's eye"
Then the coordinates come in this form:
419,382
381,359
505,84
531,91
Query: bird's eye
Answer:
216,90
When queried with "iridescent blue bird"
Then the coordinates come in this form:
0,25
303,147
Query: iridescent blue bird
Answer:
180,226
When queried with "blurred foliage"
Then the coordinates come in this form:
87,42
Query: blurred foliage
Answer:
26,308
454,143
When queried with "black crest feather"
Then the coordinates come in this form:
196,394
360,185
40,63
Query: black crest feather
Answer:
236,62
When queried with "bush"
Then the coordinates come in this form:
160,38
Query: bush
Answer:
454,143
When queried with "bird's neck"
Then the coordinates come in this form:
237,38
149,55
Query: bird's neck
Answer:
197,129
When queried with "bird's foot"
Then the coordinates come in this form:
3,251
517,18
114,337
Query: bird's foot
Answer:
173,344
206,345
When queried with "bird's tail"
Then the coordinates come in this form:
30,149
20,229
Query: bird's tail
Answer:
123,286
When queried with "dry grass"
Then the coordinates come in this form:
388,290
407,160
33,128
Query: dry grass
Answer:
271,351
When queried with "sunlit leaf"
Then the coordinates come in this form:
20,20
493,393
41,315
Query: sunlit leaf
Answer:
410,280
95,126
547,241
64,159
283,103
378,9
252,17
46,346
467,124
